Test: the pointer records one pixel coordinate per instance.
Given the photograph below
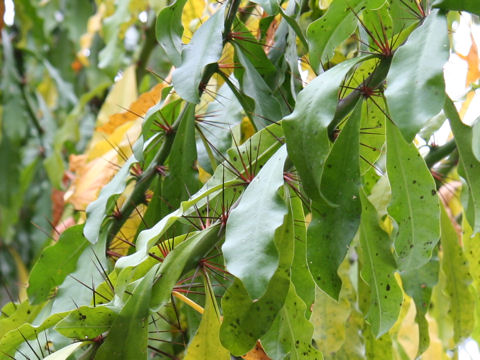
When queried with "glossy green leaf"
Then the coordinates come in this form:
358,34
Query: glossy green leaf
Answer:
264,143
472,6
267,107
455,266
378,271
335,26
56,263
206,344
128,336
65,352
205,48
290,336
418,283
334,224
301,276
182,178
246,320
469,165
415,205
169,30
86,322
249,249
88,271
306,128
180,260
415,91
253,50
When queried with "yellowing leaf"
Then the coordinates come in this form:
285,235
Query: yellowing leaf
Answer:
137,109
206,343
127,232
122,94
192,18
407,334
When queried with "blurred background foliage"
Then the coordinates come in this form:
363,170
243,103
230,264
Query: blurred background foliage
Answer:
59,58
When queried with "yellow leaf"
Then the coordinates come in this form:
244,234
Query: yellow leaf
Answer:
329,316
48,90
407,334
127,232
192,18
247,129
435,350
22,274
122,94
203,175
137,109
206,343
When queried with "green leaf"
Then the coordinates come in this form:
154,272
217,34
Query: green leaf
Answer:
469,165
458,288
419,283
253,50
259,213
88,270
291,333
334,224
306,128
378,348
326,33
267,107
472,6
415,206
56,263
476,139
301,276
270,6
15,337
246,320
169,30
415,91
378,271
206,344
180,260
205,48
14,315
128,336
65,352
86,322
182,178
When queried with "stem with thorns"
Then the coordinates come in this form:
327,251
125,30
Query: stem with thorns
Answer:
138,195
345,105
438,153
